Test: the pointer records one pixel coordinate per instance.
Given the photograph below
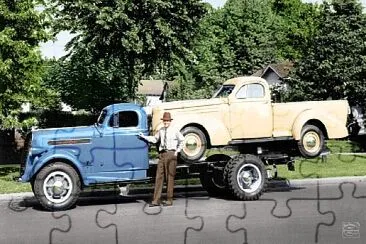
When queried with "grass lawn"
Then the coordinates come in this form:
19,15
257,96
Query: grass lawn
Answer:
7,184
333,165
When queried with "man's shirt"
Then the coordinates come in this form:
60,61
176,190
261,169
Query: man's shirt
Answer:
169,138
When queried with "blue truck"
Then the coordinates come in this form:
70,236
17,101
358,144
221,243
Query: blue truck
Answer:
60,163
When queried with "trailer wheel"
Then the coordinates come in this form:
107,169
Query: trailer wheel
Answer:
311,142
57,186
212,178
194,145
246,177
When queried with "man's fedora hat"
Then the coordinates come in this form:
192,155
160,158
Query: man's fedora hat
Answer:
166,116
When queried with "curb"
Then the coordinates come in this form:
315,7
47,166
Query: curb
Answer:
272,184
327,181
315,181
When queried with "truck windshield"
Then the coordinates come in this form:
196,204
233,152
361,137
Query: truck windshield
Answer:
101,117
223,91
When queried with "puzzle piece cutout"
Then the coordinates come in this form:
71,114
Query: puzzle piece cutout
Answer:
125,221
347,202
83,228
212,215
77,225
301,225
21,211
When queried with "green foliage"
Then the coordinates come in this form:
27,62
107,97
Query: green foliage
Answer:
87,84
57,118
247,41
335,63
117,42
235,40
21,29
296,24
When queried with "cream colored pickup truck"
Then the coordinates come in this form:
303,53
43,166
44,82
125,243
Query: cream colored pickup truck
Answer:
241,113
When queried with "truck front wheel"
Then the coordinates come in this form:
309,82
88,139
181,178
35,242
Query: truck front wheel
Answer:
246,177
57,186
194,145
311,142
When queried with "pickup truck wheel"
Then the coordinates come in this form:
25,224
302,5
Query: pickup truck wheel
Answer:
194,145
246,177
212,178
311,142
57,186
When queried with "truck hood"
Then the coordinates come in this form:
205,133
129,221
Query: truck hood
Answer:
192,103
65,132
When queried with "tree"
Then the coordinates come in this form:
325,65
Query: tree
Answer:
249,36
235,40
123,39
296,25
21,29
335,63
84,83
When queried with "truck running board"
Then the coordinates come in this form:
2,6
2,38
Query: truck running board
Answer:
260,140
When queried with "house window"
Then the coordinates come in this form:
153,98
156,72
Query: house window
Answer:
124,119
251,91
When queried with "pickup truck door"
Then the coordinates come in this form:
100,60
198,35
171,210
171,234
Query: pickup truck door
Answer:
250,112
119,153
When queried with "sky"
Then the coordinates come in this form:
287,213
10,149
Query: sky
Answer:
56,48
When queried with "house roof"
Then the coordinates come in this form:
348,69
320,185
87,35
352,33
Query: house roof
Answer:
281,69
151,87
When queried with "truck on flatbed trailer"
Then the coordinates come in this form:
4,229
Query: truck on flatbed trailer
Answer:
59,163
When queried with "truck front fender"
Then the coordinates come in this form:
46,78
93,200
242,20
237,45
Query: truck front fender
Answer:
39,162
335,128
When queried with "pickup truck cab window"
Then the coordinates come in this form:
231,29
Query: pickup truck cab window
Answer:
251,91
224,91
124,119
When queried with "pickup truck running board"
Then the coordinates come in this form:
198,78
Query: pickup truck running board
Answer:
260,140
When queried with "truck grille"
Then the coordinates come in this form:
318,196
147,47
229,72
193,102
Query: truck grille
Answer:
25,151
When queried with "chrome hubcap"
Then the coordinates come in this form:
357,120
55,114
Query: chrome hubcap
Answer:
249,178
57,187
192,144
311,141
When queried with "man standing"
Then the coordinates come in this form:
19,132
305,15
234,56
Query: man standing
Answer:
171,143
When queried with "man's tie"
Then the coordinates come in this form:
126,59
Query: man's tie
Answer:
164,141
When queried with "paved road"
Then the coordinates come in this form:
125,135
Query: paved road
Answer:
305,212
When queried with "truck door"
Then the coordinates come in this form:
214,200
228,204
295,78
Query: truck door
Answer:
118,152
251,112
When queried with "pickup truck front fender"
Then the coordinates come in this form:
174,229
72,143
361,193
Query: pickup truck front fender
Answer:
63,155
216,130
334,127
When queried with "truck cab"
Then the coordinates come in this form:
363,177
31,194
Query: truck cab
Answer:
59,162
249,103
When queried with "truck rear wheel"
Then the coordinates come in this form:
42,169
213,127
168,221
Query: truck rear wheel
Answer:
57,186
246,177
194,145
212,178
311,142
